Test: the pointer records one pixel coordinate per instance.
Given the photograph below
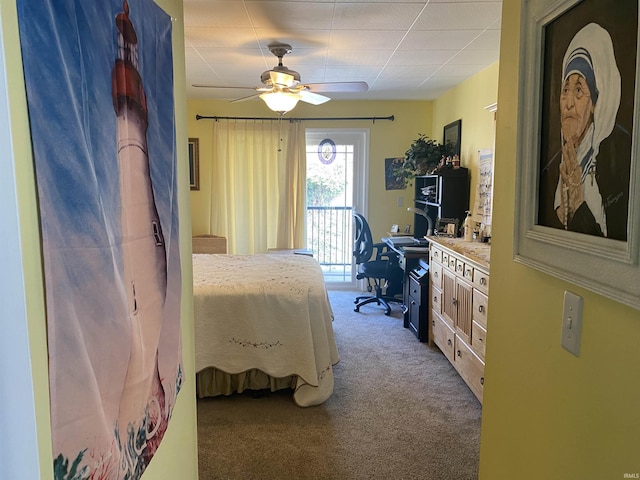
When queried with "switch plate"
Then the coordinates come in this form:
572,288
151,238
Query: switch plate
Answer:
400,201
572,322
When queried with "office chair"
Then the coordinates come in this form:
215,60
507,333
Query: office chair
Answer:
379,265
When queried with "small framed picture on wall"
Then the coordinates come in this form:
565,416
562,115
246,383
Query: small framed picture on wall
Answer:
194,164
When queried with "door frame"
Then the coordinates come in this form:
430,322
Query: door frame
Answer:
359,137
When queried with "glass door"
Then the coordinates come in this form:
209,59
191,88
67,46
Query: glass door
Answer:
337,166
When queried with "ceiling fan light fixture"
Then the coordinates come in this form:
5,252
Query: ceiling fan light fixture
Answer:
280,102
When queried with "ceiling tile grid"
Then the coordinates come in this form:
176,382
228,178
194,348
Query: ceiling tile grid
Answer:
403,49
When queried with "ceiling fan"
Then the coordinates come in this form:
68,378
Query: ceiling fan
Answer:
282,88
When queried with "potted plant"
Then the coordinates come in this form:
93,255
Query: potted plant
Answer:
423,157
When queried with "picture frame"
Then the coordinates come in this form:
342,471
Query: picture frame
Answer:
194,163
452,135
447,227
548,237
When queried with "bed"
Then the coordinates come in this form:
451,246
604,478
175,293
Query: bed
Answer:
263,321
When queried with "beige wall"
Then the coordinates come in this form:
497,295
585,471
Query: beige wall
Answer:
387,139
177,456
547,414
467,102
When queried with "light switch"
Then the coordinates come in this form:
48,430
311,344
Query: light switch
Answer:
572,322
400,201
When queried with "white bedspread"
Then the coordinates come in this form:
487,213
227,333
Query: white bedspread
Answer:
269,312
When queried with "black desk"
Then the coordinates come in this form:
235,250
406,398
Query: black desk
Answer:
409,258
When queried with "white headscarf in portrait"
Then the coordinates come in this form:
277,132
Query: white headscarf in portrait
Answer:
590,54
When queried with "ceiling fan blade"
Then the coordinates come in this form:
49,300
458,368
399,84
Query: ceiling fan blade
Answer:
281,78
338,87
244,99
203,85
312,98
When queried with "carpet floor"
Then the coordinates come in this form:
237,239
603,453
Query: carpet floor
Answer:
399,411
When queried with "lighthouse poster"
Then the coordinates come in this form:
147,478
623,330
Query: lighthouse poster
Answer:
99,79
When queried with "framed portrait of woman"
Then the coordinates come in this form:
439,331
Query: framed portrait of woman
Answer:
578,205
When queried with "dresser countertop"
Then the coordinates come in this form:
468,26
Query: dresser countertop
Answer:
476,251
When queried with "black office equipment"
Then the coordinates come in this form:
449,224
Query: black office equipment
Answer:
441,195
379,265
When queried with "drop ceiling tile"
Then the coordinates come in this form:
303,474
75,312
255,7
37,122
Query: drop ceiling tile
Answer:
402,71
220,37
365,57
289,15
474,57
365,39
451,70
488,40
215,13
459,16
352,72
439,40
421,57
297,38
370,16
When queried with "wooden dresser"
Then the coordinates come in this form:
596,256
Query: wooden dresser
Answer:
458,290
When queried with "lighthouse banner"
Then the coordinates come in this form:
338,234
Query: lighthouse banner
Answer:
99,79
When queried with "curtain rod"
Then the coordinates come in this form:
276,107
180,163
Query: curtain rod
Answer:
202,117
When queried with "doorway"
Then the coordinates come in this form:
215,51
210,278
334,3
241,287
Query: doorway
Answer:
337,170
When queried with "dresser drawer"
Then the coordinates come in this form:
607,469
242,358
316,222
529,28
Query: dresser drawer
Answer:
467,272
480,305
452,263
436,299
443,336
435,273
478,339
445,259
470,367
481,280
460,266
436,254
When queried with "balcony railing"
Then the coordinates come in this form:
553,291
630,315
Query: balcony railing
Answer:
329,235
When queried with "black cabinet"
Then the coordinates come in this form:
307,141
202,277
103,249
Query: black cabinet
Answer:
442,195
417,290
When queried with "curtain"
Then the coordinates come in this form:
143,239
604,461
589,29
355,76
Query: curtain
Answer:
258,184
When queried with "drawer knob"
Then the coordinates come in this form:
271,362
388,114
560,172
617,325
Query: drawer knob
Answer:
433,322
483,281
481,308
459,353
435,299
481,380
449,342
454,301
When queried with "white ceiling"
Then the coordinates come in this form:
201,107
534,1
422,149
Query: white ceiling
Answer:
403,49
